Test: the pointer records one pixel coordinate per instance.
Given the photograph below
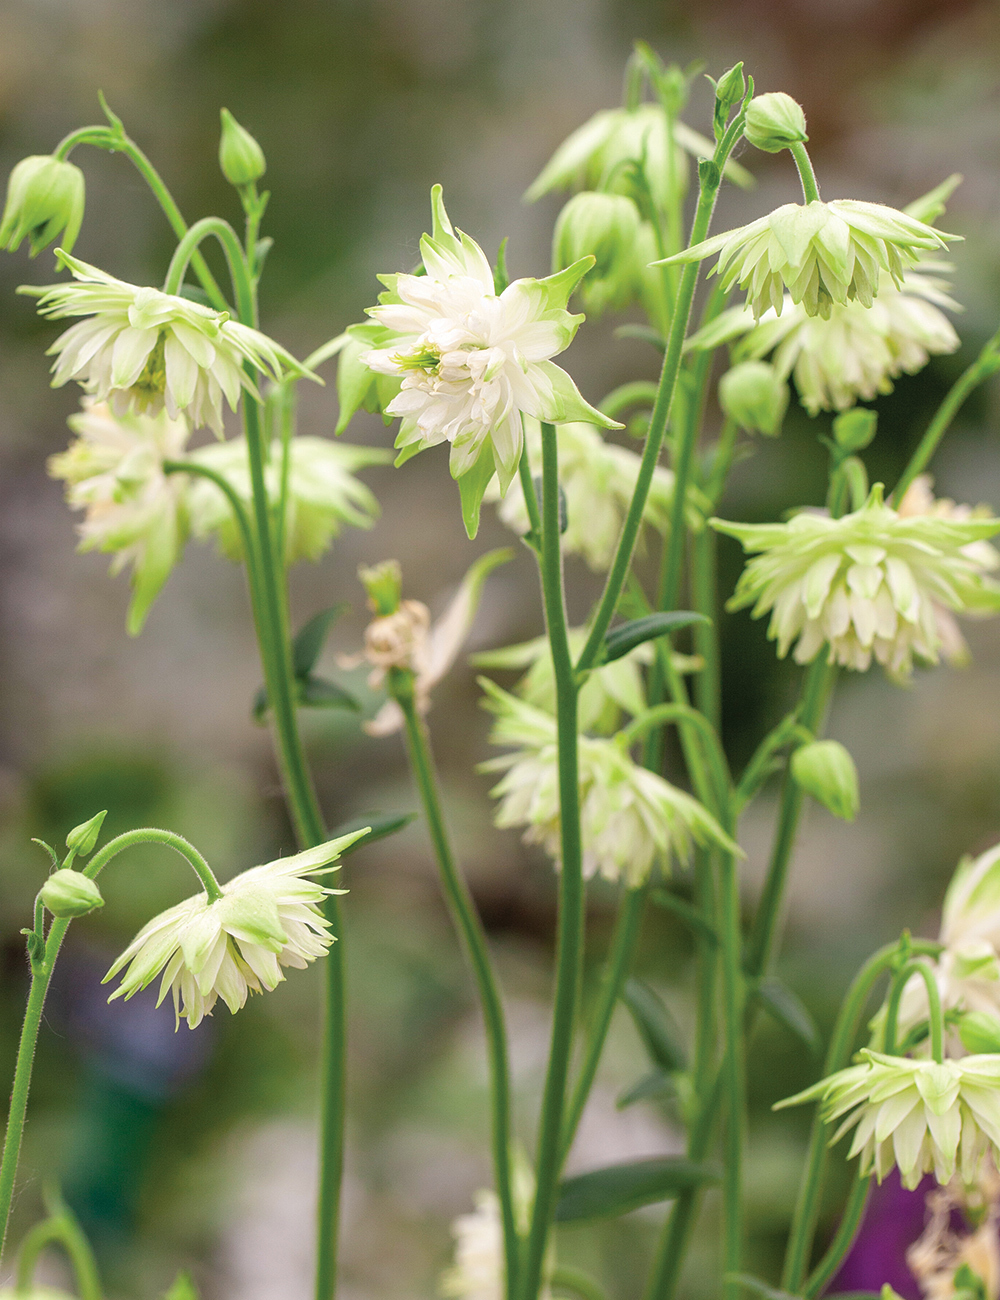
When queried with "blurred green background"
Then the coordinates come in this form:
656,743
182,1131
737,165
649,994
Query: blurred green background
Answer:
197,1150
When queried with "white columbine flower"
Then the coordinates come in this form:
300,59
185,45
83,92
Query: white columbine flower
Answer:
598,481
868,584
141,349
322,497
919,1116
630,818
267,918
471,360
478,1272
114,471
820,253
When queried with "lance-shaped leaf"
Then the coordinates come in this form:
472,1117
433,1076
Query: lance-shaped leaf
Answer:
657,1027
656,1085
312,692
620,640
617,1189
309,640
788,1009
688,913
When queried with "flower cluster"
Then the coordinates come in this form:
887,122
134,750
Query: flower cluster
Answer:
267,918
870,583
630,817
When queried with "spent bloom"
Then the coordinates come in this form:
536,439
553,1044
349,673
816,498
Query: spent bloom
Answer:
114,471
322,494
960,1237
472,360
143,350
818,253
630,817
919,1116
870,583
598,481
267,918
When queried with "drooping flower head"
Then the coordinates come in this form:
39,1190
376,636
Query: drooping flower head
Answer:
819,253
114,471
867,584
470,360
142,350
267,918
45,199
630,818
917,1116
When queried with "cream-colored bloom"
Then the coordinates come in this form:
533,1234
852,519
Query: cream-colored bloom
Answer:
598,481
819,253
917,1116
143,350
630,818
114,471
870,583
322,497
267,918
478,1272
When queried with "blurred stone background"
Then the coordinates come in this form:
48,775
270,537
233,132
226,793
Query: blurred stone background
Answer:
197,1150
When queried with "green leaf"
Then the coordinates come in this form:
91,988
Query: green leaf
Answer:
309,639
620,640
182,1288
750,1283
657,1027
655,1084
472,487
788,1009
318,693
382,824
620,1188
687,912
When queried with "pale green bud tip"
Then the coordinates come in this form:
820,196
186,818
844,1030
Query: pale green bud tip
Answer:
45,200
853,430
240,156
774,122
84,837
755,396
69,893
384,584
979,1032
826,770
731,87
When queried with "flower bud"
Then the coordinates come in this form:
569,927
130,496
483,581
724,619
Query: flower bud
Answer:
45,198
731,87
69,893
384,584
979,1032
853,430
753,394
84,837
240,156
824,769
606,226
774,122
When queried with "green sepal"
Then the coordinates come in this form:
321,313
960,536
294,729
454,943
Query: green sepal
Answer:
617,1189
380,825
620,640
472,487
788,1009
657,1028
501,279
48,849
559,287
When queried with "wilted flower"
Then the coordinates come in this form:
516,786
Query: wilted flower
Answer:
45,199
471,360
919,1116
630,817
947,1247
114,471
598,481
267,918
142,349
868,584
322,493
820,253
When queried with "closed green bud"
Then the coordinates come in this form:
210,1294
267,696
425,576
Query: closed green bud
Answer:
608,227
825,769
69,893
754,395
240,156
979,1032
853,430
729,90
84,837
384,584
774,122
45,199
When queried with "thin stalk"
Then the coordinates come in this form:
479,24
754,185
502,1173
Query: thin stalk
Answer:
238,269
530,497
722,462
683,714
154,835
572,900
733,1070
640,392
704,600
935,1019
843,1240
810,190
577,1283
470,927
63,1229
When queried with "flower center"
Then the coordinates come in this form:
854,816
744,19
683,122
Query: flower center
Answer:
151,384
424,358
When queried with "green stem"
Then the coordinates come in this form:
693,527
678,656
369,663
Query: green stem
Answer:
64,1229
572,900
683,713
530,496
734,1071
229,492
640,392
722,462
154,835
708,682
576,1282
935,1019
810,190
467,922
843,1240
235,259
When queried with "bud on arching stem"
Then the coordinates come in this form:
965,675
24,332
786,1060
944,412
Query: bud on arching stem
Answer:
240,156
755,396
68,893
774,122
825,769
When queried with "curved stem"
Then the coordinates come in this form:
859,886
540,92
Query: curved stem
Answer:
935,1019
810,190
678,713
154,835
467,922
577,1282
63,1228
842,1242
572,901
640,392
230,493
235,259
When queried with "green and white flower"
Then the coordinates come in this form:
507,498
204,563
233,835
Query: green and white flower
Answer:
267,918
917,1116
142,350
323,496
45,199
598,481
820,254
478,1272
114,471
869,584
470,360
630,818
